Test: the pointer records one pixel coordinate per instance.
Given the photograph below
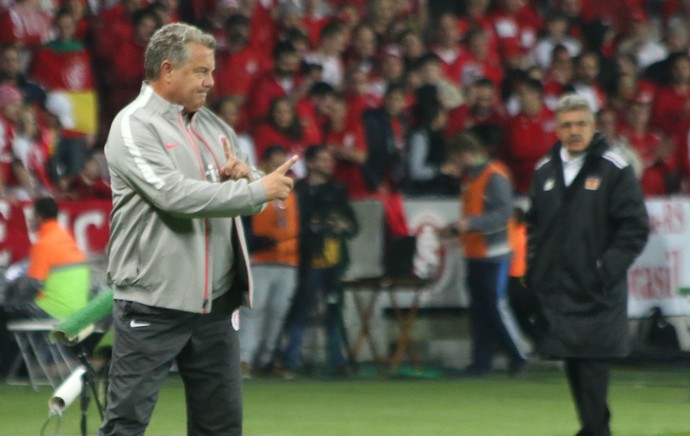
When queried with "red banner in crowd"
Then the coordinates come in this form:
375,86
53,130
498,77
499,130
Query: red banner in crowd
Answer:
88,221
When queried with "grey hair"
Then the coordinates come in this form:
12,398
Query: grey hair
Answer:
170,43
573,102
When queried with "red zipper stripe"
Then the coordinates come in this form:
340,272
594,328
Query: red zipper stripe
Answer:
207,228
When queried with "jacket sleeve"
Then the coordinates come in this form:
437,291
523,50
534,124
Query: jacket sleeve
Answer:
498,205
137,156
418,152
348,213
627,214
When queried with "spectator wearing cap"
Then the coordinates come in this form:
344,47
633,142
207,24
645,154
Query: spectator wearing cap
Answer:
11,72
529,134
281,81
240,63
556,33
64,65
671,106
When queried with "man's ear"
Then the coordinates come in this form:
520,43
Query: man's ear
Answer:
166,71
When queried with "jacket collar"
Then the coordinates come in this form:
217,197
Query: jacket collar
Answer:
158,103
597,148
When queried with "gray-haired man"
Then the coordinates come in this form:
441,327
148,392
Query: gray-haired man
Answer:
177,255
586,225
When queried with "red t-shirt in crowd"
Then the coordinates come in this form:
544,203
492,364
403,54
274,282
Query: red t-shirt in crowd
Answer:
236,72
517,34
670,109
452,61
528,139
484,23
645,144
259,99
349,173
473,69
266,135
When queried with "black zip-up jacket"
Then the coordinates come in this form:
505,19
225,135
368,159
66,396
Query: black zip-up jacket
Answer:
581,241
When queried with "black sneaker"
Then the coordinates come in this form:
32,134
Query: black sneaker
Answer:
517,368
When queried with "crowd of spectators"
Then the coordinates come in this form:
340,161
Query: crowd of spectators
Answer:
382,83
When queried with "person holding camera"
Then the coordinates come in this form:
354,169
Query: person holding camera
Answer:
326,221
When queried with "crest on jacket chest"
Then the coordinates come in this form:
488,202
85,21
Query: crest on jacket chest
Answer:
592,183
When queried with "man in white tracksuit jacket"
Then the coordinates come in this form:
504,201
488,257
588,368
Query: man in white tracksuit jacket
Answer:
178,262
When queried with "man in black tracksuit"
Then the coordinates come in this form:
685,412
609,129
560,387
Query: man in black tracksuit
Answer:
586,225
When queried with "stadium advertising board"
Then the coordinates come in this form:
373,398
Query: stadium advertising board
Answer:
660,277
88,221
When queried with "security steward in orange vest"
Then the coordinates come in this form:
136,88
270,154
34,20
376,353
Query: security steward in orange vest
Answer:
487,204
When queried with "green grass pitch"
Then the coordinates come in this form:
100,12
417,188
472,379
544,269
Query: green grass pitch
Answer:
643,401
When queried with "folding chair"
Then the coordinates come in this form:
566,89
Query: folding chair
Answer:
46,363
